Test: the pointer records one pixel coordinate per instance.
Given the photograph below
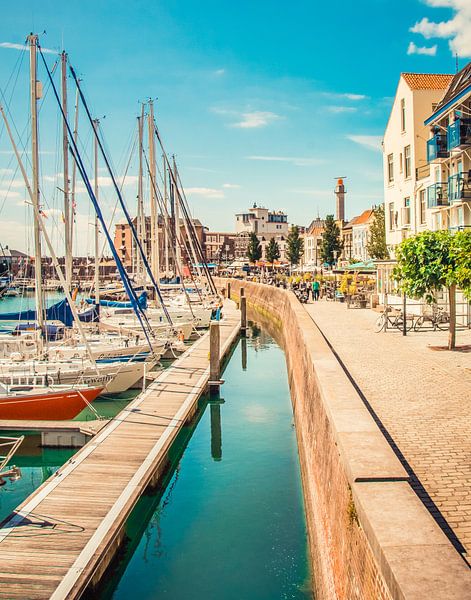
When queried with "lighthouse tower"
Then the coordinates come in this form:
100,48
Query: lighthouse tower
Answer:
340,192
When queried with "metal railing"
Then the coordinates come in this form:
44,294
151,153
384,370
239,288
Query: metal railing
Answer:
437,195
437,147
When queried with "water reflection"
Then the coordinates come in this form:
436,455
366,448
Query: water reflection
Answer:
231,528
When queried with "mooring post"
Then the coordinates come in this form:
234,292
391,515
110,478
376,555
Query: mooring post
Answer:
214,358
242,292
243,315
228,294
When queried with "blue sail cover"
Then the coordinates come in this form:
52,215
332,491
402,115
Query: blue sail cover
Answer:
142,301
57,312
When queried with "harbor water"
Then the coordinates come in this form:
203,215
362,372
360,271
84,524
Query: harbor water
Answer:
229,521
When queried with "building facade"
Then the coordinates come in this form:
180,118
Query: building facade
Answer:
263,222
361,235
220,247
312,256
406,169
448,195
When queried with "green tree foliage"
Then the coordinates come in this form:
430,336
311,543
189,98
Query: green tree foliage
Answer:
272,252
433,260
254,249
331,241
377,243
294,246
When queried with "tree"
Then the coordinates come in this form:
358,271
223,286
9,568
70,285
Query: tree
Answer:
377,243
254,249
294,246
331,241
272,252
433,260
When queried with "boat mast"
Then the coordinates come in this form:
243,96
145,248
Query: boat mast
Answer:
35,93
177,217
96,123
166,223
154,213
74,171
65,152
140,202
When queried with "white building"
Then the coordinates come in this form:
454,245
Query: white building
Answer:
263,222
406,170
312,256
361,235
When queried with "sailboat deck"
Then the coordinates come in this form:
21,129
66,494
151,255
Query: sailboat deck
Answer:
53,543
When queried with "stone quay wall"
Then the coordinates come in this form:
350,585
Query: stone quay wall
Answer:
370,537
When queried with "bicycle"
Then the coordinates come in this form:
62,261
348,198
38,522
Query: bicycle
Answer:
393,318
438,318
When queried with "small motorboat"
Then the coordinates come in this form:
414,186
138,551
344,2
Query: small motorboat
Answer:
58,403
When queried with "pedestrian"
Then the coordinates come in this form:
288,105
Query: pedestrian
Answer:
316,289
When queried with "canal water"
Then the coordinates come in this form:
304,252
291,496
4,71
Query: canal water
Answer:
229,522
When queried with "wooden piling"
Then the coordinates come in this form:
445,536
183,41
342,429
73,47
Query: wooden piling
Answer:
243,315
214,350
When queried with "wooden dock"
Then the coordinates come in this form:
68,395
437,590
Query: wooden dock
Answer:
58,434
61,539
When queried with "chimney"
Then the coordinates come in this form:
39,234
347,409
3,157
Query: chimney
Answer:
340,204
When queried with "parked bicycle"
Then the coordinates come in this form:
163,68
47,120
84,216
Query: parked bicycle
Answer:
435,318
392,318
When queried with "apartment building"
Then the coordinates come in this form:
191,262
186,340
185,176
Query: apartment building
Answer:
263,222
220,246
448,154
407,173
312,256
361,235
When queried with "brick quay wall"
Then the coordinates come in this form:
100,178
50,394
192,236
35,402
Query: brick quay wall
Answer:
370,536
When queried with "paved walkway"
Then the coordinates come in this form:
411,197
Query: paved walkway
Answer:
421,398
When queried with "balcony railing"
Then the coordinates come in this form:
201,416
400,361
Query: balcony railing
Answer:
437,147
459,134
459,227
437,195
459,187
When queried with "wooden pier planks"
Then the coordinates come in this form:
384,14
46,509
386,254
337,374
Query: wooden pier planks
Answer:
52,544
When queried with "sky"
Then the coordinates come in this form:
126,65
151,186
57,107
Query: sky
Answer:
265,102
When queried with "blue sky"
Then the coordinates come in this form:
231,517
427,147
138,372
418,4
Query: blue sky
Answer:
261,101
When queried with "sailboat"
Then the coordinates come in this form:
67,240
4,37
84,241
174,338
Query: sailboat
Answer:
38,402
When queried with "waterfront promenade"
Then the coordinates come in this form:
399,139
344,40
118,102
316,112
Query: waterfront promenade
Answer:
421,398
61,538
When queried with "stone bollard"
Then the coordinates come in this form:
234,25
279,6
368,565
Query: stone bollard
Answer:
214,356
243,315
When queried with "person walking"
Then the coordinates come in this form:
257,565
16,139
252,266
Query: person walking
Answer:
316,286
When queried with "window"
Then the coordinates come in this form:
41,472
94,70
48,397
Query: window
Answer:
400,162
391,216
403,115
407,162
390,168
422,206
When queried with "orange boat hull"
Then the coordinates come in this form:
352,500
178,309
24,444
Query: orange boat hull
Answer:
52,406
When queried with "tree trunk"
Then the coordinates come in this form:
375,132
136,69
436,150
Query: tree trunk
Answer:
452,329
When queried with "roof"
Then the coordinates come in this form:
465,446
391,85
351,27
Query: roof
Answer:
459,83
350,224
364,217
427,81
316,226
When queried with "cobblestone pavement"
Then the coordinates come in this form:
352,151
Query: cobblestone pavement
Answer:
421,398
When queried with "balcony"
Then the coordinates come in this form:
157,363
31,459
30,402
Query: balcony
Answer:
437,147
437,195
459,134
459,187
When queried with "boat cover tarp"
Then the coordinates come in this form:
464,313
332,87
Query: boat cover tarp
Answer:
57,312
142,300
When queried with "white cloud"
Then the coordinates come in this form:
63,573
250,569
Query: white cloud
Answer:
258,118
347,96
425,50
372,142
219,72
205,192
231,186
298,161
457,29
13,46
341,109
